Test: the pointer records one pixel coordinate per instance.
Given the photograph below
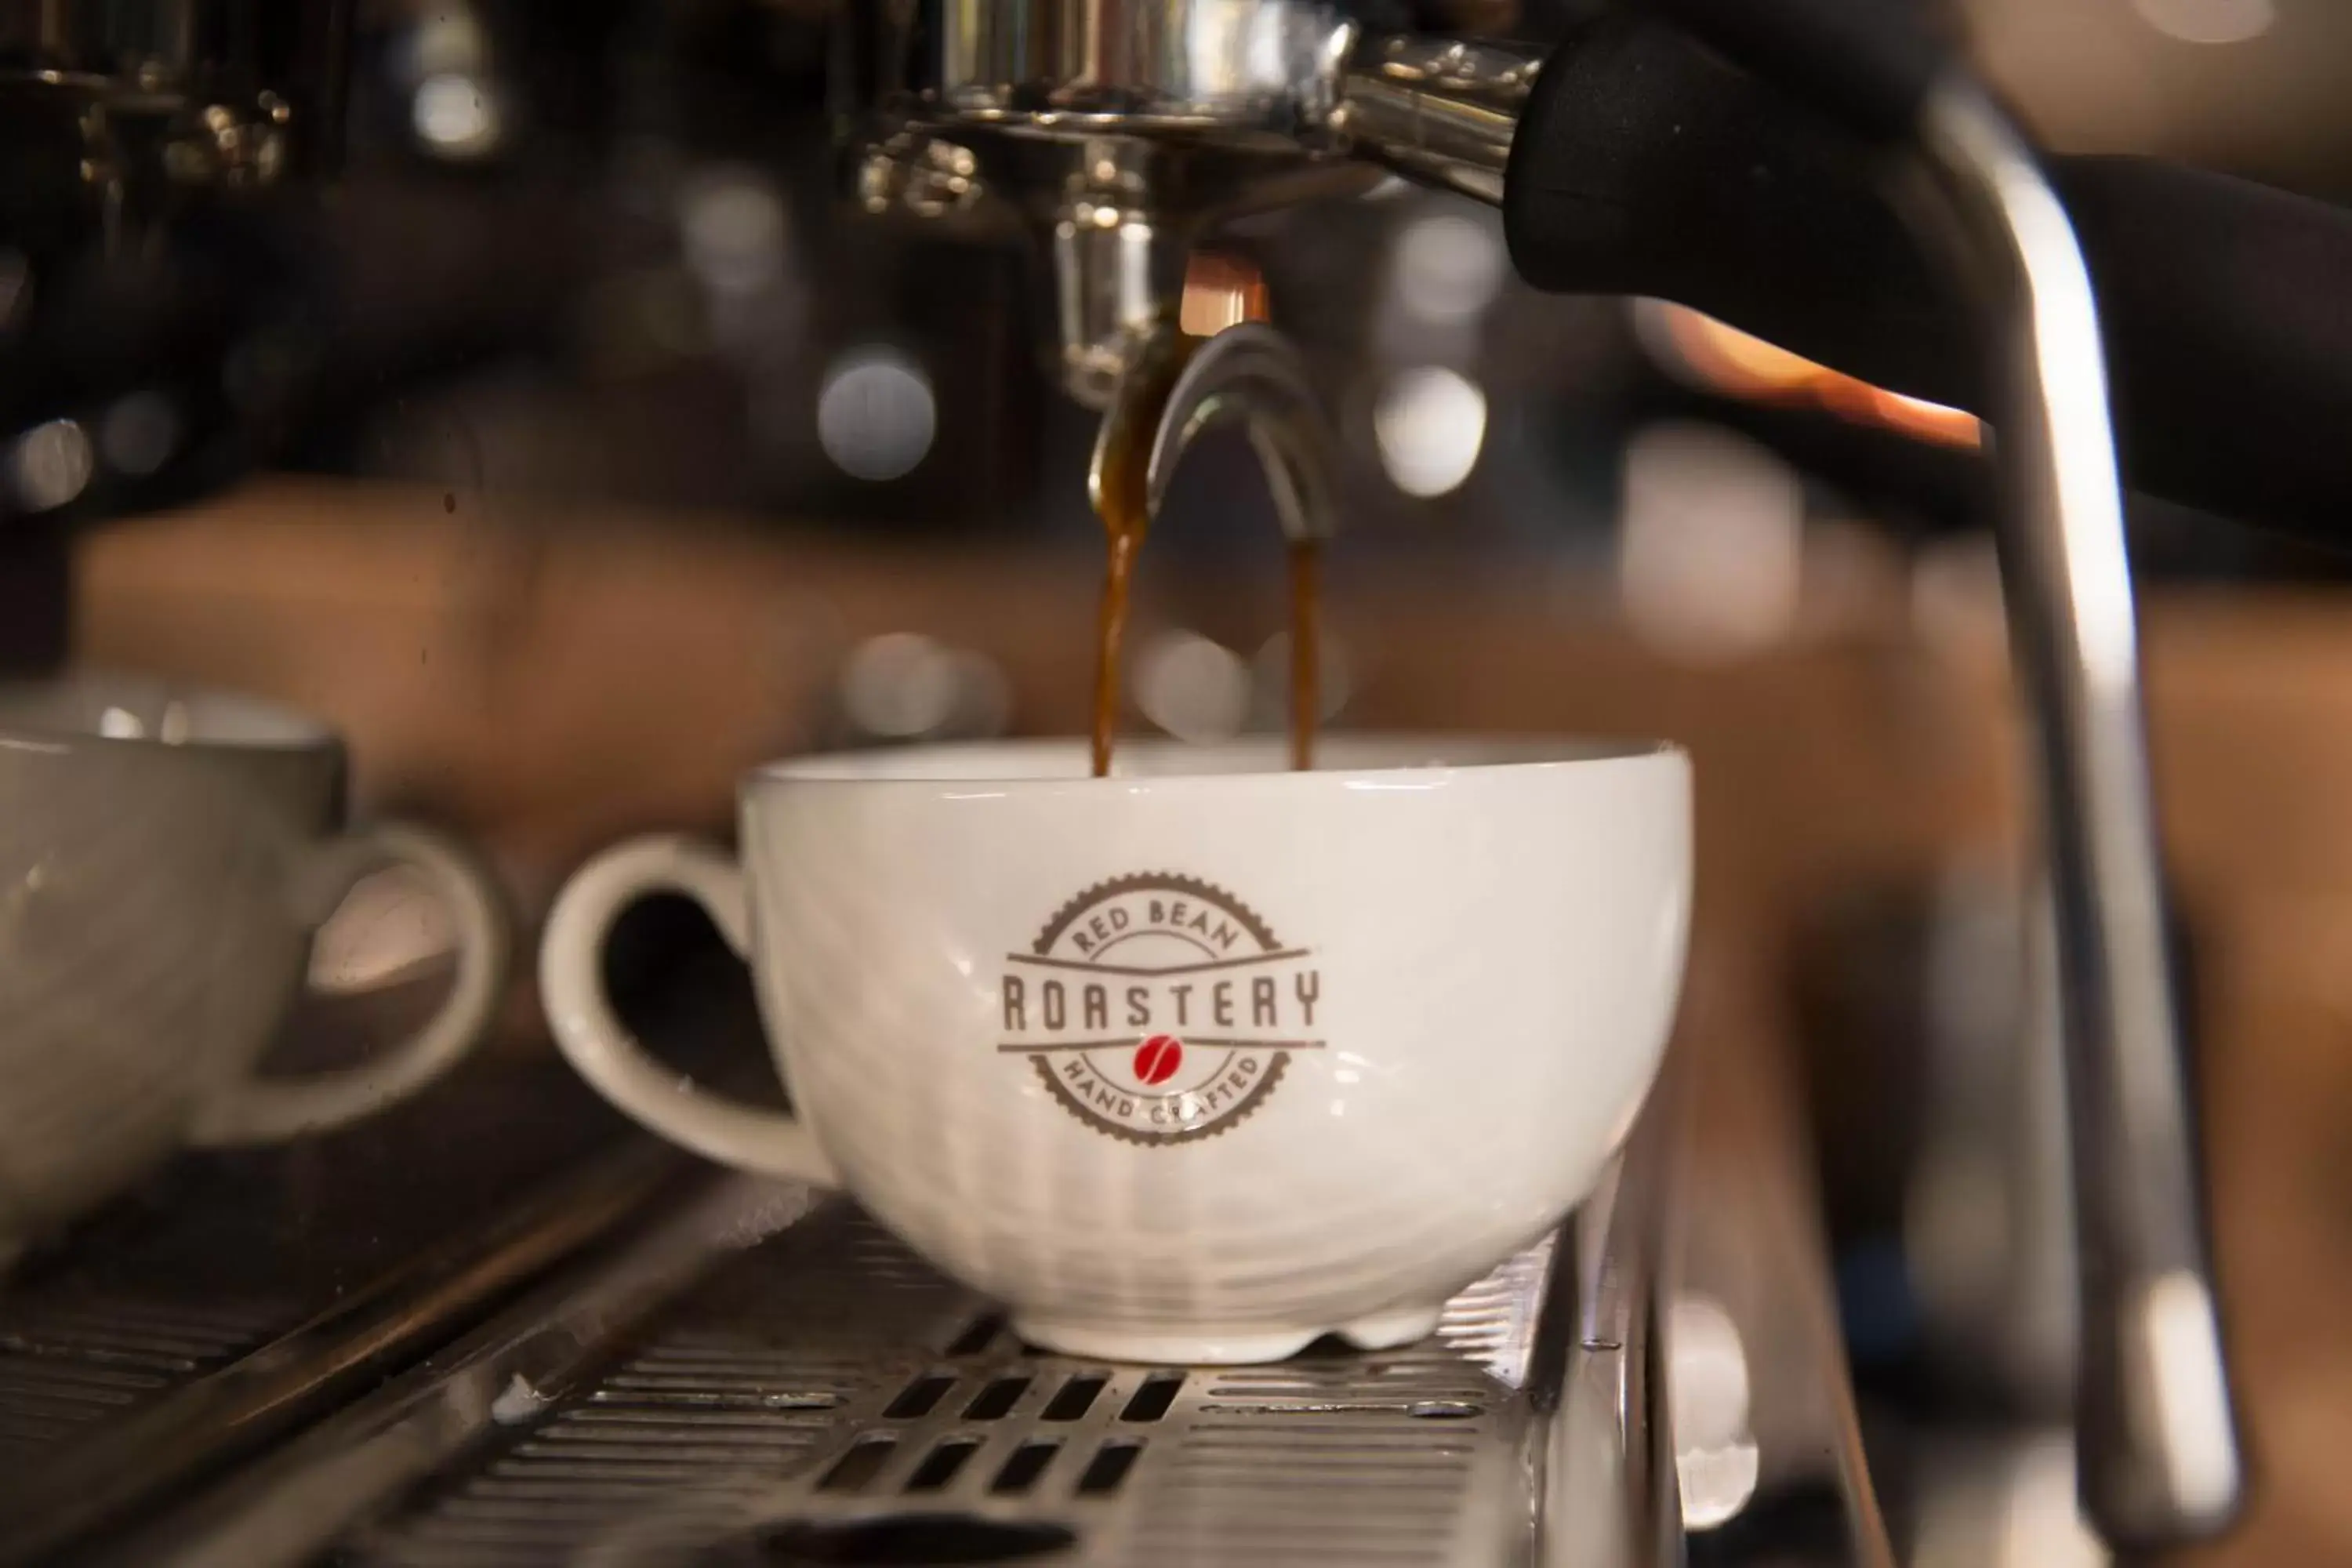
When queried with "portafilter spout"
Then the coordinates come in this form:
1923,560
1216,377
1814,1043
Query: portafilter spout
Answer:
1253,376
1177,389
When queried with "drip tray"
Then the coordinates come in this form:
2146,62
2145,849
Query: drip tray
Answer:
829,1398
777,1381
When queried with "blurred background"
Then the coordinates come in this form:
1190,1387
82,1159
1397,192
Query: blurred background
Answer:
578,447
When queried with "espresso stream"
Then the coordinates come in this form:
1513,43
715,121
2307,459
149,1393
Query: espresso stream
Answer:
1306,649
1124,505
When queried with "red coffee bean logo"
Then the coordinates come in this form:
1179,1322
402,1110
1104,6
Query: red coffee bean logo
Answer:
1157,1059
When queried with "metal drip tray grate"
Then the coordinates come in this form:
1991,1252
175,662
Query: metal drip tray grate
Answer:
825,1397
73,1362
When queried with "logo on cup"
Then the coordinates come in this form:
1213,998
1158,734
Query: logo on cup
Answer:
1159,1008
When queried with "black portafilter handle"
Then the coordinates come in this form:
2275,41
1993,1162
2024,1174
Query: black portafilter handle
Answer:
1648,164
1870,64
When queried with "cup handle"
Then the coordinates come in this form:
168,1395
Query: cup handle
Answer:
572,984
268,1111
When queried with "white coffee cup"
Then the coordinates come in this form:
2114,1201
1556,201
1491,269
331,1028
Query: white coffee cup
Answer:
1198,1062
166,856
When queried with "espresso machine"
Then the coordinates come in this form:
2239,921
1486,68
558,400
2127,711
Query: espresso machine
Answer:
643,1362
